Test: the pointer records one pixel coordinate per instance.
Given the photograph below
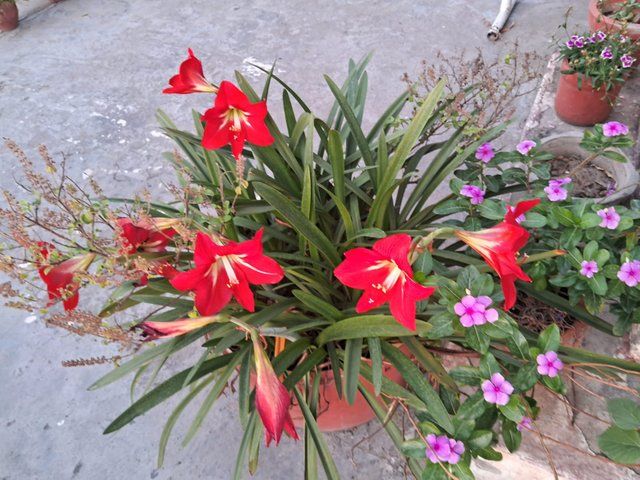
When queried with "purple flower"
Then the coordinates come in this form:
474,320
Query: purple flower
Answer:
601,36
497,390
627,60
438,448
485,152
520,218
549,364
525,146
614,129
592,38
473,311
476,194
570,44
589,268
606,53
629,273
555,193
578,42
610,218
525,424
457,449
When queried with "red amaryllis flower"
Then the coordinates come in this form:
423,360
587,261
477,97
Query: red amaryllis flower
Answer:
146,236
234,120
385,275
223,271
499,247
190,78
59,278
155,330
272,399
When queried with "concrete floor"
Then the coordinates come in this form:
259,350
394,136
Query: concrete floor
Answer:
84,78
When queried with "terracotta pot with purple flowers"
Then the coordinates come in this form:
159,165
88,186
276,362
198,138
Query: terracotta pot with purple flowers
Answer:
8,15
594,68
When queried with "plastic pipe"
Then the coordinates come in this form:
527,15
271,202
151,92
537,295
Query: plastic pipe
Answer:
506,6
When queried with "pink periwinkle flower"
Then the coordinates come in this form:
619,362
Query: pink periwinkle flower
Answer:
525,424
627,60
607,54
555,192
525,146
457,449
476,194
473,310
610,218
485,152
549,364
438,448
614,129
601,36
497,390
589,268
629,273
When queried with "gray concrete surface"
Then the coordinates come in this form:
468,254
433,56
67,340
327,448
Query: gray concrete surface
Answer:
84,77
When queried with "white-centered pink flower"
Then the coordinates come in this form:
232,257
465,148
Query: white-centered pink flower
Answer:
610,218
629,273
588,268
525,146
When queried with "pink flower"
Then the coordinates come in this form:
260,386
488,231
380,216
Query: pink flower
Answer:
476,194
525,146
559,182
627,60
629,273
555,193
600,35
589,268
497,390
525,424
485,153
607,54
614,129
549,364
473,311
457,449
438,448
610,218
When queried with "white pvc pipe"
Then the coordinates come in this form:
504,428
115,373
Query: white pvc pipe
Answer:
503,15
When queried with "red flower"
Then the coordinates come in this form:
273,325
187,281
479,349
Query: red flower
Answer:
499,247
223,271
272,399
234,120
385,275
146,236
155,330
190,78
59,278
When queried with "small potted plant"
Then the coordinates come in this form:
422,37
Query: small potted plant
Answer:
613,16
8,15
594,68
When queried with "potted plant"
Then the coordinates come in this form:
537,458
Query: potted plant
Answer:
292,253
8,15
615,16
594,68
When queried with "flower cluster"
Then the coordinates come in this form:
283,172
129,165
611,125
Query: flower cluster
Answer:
473,311
555,190
442,449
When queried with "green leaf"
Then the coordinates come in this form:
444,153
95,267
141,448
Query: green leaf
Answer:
164,391
375,352
319,306
416,380
620,445
625,413
328,464
511,436
413,449
481,439
245,444
615,156
549,339
369,326
598,284
477,339
352,360
512,410
312,361
590,220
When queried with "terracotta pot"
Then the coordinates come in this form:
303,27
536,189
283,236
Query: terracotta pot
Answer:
598,21
585,106
334,413
8,16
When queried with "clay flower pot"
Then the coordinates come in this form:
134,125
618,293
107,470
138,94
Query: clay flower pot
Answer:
599,21
8,16
334,413
585,106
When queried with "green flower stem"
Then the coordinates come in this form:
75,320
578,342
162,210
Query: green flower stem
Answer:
423,242
585,162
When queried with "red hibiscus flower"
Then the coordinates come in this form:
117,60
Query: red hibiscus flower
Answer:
385,275
155,330
234,120
59,278
223,271
499,247
272,399
190,78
